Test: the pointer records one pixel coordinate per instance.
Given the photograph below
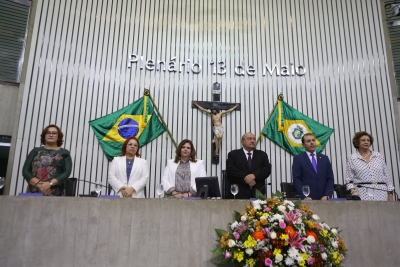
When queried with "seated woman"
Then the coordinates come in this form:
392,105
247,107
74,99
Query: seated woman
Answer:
46,168
128,174
179,176
366,166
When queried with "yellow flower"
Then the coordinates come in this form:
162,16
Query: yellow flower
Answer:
284,236
302,263
238,255
342,247
224,241
277,251
304,256
250,242
336,257
250,262
324,233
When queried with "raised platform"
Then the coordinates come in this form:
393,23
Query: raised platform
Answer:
62,231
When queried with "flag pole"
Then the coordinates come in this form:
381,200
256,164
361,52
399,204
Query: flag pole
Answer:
147,93
280,98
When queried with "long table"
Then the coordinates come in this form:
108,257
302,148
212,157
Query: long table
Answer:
76,231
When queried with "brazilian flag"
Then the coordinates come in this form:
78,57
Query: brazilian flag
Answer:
137,119
286,126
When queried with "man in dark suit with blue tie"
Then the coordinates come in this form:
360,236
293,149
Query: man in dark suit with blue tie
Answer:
248,167
312,169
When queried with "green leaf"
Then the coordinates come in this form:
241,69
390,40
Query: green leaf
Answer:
218,250
220,232
237,216
260,195
297,204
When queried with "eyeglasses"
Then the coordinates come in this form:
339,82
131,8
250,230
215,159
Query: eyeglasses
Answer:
51,133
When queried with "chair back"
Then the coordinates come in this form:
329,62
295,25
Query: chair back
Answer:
290,190
341,191
226,186
70,187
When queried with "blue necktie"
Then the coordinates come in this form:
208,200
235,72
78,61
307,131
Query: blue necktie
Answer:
314,162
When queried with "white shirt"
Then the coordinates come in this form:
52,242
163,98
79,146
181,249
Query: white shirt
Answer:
247,156
310,157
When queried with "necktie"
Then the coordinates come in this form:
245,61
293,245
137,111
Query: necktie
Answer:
314,162
249,159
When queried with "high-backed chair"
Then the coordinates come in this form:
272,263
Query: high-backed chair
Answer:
341,191
226,186
289,189
70,187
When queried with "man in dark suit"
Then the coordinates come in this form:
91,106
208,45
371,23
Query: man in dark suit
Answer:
248,167
312,169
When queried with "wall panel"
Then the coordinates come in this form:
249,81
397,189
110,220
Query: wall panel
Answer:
77,71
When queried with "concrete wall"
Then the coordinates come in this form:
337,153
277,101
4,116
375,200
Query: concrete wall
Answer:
156,232
8,102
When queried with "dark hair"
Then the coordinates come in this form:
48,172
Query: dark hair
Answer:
358,135
307,134
126,143
60,135
179,148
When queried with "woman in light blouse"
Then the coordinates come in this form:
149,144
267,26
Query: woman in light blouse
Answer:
179,176
366,166
128,174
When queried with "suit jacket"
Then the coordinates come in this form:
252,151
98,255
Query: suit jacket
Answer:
197,169
320,183
138,178
237,167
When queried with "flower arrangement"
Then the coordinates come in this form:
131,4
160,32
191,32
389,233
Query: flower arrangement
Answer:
278,232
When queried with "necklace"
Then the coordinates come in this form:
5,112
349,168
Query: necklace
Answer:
365,158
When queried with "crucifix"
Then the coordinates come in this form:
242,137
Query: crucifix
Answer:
213,109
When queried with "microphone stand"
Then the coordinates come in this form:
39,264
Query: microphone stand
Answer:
361,185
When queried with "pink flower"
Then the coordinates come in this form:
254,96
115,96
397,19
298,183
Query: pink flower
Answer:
267,209
296,241
236,235
268,262
282,225
290,217
310,261
227,255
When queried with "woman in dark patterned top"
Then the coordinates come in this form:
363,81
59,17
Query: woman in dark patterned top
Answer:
46,168
368,167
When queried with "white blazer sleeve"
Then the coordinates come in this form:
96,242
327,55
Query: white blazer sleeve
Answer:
141,177
200,172
168,176
115,183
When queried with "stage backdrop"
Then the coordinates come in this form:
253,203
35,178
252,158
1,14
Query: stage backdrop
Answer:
87,59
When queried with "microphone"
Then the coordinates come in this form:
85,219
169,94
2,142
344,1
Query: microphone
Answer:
92,193
65,155
262,188
361,185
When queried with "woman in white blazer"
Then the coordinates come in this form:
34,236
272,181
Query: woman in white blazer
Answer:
179,176
128,174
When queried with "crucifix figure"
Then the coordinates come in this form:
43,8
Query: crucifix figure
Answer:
213,108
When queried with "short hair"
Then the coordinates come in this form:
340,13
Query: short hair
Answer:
307,134
126,144
60,135
179,148
358,135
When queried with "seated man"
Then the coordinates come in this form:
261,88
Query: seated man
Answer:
248,167
312,169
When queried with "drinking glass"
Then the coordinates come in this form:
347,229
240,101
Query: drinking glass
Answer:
159,189
234,190
306,190
2,181
98,189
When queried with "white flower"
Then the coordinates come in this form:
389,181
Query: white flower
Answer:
249,251
310,239
233,225
243,218
289,261
334,231
315,217
273,235
231,243
293,253
278,258
288,202
263,217
281,208
291,208
260,245
299,221
276,217
257,204
334,244
323,255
